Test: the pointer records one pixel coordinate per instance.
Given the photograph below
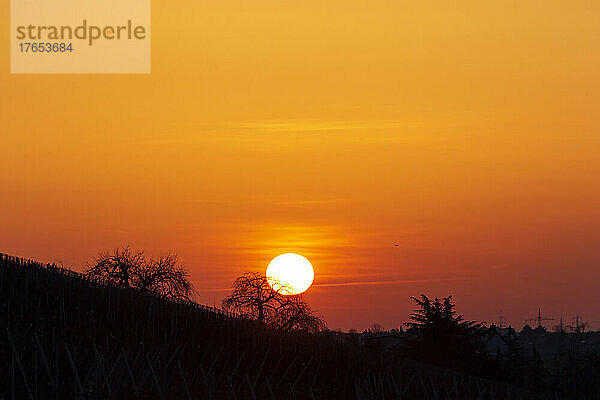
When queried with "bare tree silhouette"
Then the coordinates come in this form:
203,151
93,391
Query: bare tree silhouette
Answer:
129,268
165,277
253,297
117,266
376,327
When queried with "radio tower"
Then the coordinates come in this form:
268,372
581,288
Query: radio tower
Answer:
539,319
561,327
501,320
580,324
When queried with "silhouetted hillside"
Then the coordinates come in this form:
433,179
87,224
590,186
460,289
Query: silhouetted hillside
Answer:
66,336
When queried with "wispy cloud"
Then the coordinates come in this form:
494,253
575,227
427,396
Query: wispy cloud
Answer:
390,282
360,131
364,283
318,125
217,290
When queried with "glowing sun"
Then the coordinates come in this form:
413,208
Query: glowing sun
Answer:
290,274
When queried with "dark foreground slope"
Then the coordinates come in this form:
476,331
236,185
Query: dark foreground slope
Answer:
66,337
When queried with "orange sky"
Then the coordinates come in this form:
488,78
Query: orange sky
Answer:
469,134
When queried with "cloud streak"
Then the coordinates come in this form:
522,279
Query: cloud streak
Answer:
363,283
391,282
318,125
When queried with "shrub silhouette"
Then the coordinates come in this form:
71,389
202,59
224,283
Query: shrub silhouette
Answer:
438,335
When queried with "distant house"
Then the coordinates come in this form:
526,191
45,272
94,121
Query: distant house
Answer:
494,340
385,341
